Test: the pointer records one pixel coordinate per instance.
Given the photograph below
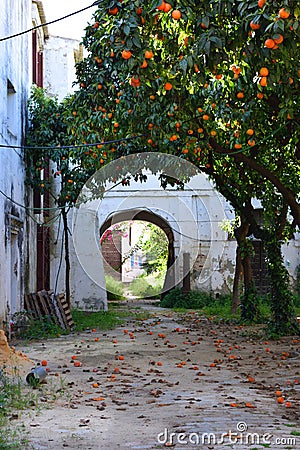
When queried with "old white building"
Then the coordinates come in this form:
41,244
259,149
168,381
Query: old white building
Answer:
60,56
20,65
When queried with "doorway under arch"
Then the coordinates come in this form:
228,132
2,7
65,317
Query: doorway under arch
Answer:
150,217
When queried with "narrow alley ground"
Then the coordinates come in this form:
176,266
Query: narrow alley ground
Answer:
169,380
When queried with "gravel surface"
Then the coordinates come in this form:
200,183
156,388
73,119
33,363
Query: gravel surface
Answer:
169,380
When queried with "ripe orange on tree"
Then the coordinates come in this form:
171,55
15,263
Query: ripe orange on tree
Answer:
126,54
144,64
161,7
135,81
269,43
284,13
168,86
263,81
261,3
167,7
254,26
176,14
113,11
149,54
264,72
278,40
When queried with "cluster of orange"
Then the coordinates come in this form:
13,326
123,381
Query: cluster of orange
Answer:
166,7
263,73
273,43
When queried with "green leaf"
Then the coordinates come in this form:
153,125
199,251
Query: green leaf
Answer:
183,65
126,30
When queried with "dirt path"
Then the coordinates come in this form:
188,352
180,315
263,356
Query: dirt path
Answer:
167,374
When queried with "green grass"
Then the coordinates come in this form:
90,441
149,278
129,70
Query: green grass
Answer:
146,286
40,328
218,308
43,327
114,288
295,433
13,400
17,397
103,320
202,301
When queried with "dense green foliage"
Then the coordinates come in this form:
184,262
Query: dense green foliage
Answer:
114,288
154,245
220,307
217,84
147,286
193,300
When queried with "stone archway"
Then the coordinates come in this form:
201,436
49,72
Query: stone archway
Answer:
190,217
148,216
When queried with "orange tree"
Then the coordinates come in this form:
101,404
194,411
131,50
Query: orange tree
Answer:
216,83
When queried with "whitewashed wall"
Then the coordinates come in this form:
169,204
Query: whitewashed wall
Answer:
15,16
59,65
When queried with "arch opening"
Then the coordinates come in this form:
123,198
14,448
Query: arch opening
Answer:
123,236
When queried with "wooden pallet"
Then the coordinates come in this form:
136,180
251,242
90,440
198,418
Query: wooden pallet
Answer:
46,304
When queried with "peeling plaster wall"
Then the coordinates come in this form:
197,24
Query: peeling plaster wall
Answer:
85,293
14,88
